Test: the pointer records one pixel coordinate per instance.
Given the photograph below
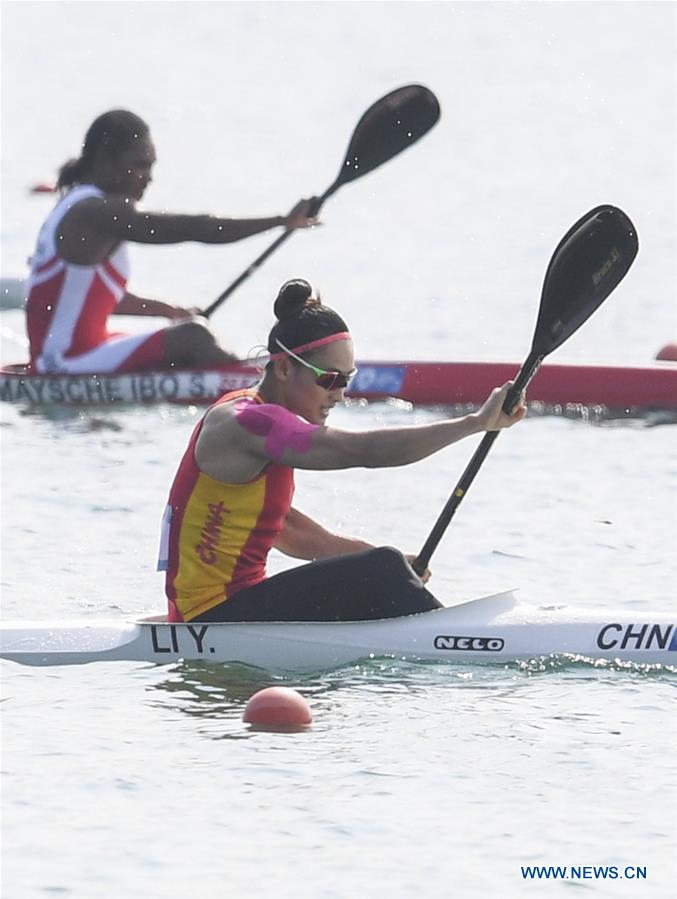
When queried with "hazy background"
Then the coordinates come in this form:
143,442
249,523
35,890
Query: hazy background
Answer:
548,109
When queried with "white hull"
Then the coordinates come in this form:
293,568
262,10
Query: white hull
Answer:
495,629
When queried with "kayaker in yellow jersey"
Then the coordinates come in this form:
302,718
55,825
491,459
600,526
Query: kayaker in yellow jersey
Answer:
231,500
79,270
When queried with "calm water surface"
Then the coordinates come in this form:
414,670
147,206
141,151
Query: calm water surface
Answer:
414,780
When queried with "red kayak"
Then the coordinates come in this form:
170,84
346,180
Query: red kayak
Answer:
615,387
628,390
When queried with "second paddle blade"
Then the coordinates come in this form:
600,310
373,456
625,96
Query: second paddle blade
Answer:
392,124
591,260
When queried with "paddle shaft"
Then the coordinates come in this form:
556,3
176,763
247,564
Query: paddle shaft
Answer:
266,253
524,376
395,122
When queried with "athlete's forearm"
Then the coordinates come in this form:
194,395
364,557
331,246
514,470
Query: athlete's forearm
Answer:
133,305
401,446
166,228
303,538
385,448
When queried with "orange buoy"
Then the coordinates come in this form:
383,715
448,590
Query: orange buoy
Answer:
278,707
668,353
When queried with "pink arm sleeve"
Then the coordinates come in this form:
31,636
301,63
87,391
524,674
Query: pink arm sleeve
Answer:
281,428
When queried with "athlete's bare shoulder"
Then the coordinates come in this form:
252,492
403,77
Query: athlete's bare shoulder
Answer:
225,450
221,420
92,228
101,214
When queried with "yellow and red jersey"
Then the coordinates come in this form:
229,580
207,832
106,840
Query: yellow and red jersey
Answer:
217,536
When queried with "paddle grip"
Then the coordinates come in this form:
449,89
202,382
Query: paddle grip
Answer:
320,201
522,380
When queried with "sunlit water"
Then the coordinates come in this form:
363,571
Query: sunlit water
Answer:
421,780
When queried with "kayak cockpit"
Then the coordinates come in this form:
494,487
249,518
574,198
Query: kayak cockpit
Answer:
484,608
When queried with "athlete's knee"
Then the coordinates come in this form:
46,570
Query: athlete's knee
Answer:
189,343
194,332
390,552
388,558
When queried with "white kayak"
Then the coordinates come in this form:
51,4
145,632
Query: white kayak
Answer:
494,629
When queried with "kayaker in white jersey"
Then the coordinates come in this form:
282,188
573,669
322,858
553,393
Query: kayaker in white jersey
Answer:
231,500
79,271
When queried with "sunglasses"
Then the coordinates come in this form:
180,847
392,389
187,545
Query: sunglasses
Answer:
329,380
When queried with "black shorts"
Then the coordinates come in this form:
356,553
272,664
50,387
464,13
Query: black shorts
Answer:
377,583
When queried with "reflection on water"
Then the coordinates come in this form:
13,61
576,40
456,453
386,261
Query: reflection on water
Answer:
208,690
221,691
97,418
212,691
77,420
586,669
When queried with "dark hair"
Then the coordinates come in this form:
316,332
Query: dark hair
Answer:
113,132
301,317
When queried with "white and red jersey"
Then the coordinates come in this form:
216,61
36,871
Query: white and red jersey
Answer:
68,305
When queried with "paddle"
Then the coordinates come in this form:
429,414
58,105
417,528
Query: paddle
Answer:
592,258
392,124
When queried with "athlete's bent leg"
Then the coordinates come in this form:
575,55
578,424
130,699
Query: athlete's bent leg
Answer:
118,354
377,583
192,343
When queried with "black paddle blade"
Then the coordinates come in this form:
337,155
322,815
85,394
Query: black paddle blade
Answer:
392,124
591,260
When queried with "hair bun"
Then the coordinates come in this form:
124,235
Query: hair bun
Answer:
292,298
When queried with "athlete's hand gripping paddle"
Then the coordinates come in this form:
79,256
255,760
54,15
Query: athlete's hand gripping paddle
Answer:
592,258
392,124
